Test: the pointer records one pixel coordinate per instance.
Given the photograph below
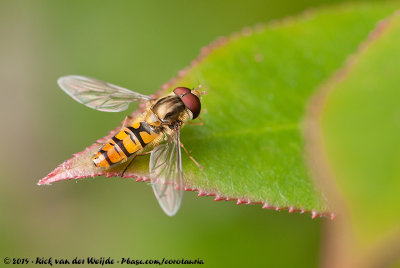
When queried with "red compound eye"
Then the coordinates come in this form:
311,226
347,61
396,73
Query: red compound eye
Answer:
181,90
191,101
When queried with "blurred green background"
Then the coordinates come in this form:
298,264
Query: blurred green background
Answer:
139,45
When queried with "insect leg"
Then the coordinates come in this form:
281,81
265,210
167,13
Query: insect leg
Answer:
124,124
201,123
191,157
133,158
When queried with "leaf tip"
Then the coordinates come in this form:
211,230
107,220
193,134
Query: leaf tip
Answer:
41,182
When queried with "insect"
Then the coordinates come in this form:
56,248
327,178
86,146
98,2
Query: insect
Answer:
155,131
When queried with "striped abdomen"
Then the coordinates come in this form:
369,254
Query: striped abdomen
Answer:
127,142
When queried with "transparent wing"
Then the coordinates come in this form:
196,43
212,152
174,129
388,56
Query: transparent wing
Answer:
97,94
166,174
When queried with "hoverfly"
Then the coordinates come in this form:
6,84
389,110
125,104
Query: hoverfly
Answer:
158,128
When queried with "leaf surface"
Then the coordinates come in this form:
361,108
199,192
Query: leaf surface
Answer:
258,83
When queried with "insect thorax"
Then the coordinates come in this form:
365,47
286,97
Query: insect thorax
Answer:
166,111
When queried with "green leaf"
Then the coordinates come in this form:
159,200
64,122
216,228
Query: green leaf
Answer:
356,143
258,83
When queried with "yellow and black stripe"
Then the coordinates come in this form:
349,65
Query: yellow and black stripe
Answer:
127,142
